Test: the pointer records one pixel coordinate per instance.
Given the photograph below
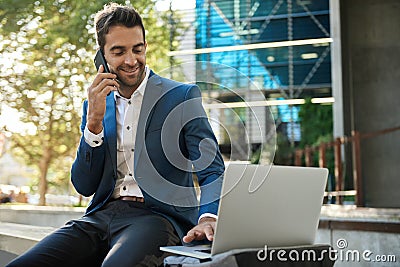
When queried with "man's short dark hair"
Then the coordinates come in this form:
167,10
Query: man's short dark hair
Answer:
114,14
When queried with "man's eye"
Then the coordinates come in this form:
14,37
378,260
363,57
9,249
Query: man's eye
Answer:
118,53
137,51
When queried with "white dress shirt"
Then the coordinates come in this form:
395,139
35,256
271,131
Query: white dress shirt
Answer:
127,116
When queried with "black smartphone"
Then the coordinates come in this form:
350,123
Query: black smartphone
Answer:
99,59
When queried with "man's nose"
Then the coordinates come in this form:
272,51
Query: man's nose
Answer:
130,59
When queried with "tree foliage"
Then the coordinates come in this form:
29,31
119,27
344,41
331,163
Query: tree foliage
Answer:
316,123
46,50
316,128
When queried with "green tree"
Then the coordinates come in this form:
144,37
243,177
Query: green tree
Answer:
316,124
46,65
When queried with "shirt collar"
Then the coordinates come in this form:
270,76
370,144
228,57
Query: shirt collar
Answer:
140,89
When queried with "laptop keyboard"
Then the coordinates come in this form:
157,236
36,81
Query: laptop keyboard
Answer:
208,250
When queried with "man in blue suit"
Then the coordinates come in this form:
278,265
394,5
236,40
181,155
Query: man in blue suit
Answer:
142,135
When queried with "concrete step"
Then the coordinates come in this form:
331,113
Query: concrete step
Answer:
39,215
17,238
6,257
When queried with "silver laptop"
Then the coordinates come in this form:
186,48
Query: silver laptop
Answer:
260,205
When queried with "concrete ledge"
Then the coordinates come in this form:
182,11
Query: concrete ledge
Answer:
17,238
6,257
350,229
353,218
39,215
22,226
354,213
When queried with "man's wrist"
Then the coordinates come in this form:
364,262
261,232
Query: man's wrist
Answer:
94,140
207,217
95,127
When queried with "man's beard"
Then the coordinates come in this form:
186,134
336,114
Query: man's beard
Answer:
135,81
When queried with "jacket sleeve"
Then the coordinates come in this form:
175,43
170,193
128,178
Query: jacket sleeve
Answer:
87,169
203,151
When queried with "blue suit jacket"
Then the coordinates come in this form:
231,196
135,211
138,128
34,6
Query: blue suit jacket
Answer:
173,135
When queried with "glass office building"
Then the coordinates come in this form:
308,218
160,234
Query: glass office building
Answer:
282,46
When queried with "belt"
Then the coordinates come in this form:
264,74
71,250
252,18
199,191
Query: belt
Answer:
132,198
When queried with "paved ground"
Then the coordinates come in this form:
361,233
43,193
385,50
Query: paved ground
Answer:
5,257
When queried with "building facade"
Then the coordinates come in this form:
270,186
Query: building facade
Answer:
280,50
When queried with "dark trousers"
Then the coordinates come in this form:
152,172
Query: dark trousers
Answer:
122,233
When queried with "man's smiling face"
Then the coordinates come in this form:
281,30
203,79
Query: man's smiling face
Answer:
125,52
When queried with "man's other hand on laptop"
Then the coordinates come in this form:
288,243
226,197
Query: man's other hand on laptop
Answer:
205,229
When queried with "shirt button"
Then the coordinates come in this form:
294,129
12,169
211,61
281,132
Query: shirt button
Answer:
129,102
128,127
124,188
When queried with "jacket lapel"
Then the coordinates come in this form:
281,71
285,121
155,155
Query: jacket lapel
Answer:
110,130
152,94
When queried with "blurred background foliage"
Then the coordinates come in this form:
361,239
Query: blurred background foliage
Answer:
316,123
316,128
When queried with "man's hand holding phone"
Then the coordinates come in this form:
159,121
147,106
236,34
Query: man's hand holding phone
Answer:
102,85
